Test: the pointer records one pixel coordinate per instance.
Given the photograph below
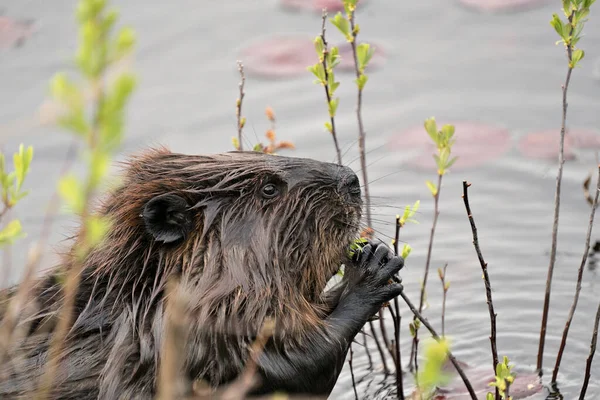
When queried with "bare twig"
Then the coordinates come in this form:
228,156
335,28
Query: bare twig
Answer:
437,338
586,251
397,324
386,341
238,108
486,279
561,161
444,295
361,128
588,364
240,388
436,213
327,89
352,372
170,375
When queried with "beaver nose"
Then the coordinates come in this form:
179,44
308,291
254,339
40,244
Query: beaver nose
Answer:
349,183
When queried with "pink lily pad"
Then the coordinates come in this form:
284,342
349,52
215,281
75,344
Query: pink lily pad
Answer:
289,56
316,5
502,5
279,57
545,145
14,33
476,144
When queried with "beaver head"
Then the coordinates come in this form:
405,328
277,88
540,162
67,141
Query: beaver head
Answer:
253,235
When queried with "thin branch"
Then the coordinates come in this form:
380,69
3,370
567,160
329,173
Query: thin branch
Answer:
386,341
437,338
352,372
397,324
327,91
588,364
361,128
561,161
436,213
444,295
486,279
586,251
238,108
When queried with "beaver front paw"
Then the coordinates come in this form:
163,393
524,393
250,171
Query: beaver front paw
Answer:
371,276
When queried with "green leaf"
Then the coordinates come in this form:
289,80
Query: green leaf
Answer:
557,25
21,161
319,46
364,53
319,72
333,57
99,164
406,251
357,246
432,374
72,192
258,147
96,229
125,42
11,232
577,56
361,81
333,105
235,142
431,128
328,127
431,187
450,163
342,24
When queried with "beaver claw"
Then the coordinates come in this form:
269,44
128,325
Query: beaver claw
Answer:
370,273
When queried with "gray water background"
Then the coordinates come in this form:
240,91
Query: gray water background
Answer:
442,59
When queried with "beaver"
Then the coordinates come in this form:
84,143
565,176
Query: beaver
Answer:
250,237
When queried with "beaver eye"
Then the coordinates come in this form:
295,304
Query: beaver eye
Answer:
269,191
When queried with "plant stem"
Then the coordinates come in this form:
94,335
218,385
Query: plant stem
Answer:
445,292
352,372
327,91
561,161
238,108
486,278
363,160
397,325
588,364
436,213
586,251
437,338
386,341
361,129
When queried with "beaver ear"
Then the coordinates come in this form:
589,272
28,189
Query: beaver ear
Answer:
167,218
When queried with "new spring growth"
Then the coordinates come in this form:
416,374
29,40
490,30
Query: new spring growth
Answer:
504,378
101,129
12,192
443,140
364,51
324,72
576,12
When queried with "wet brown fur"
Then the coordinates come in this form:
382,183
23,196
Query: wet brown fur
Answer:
245,259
